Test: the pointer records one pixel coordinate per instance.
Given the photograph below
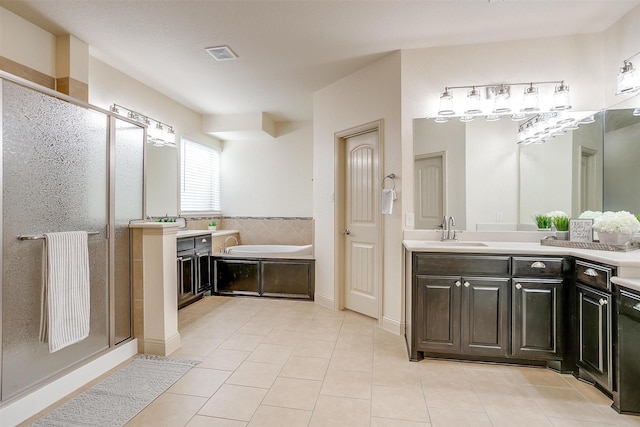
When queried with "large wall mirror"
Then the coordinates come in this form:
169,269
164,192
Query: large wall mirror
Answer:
478,173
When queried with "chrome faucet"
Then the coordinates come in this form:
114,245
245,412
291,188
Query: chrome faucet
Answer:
448,229
224,246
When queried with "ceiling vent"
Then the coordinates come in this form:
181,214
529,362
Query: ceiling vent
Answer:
221,53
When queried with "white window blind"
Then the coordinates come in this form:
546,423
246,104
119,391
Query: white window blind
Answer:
199,178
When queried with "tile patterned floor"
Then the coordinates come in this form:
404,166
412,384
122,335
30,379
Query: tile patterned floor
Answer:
290,363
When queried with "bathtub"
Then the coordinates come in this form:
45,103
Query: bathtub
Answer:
270,250
276,271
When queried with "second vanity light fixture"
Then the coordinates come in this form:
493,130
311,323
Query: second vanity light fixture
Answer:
159,134
501,96
628,77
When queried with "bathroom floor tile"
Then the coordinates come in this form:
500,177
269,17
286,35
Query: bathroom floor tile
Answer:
293,363
234,402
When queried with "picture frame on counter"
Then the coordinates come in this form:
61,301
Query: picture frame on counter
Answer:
581,230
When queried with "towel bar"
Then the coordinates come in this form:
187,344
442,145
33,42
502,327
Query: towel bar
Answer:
39,237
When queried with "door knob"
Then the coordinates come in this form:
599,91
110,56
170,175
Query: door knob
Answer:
346,231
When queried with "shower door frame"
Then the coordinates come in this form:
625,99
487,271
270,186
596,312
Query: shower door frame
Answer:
110,226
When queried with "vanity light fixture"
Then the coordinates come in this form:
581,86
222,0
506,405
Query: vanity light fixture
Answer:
473,102
441,119
530,100
501,103
495,100
446,103
544,126
561,98
159,134
467,119
628,77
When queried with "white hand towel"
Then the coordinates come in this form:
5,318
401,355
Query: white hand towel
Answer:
65,293
388,196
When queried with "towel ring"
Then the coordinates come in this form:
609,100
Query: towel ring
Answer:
392,177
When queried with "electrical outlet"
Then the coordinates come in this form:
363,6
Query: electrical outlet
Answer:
408,220
499,216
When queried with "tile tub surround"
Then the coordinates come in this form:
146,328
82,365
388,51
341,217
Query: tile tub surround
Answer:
295,363
265,231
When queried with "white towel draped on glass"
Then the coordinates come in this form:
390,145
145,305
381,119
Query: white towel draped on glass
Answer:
388,196
65,301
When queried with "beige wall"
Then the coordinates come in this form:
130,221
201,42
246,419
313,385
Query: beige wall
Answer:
26,44
369,94
271,176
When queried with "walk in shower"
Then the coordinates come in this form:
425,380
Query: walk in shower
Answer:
66,166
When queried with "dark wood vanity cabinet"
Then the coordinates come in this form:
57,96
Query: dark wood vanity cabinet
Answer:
460,305
537,307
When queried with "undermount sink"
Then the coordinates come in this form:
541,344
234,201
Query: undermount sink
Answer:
454,243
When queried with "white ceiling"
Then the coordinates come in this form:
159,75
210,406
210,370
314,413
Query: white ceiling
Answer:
289,49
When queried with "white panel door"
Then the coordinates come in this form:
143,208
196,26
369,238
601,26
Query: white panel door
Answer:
429,192
362,210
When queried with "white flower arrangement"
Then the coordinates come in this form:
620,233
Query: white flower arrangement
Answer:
590,215
616,222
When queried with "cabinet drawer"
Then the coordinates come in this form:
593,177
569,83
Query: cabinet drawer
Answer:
203,243
537,267
184,244
596,275
459,265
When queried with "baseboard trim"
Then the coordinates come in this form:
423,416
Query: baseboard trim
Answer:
29,405
325,301
392,325
162,347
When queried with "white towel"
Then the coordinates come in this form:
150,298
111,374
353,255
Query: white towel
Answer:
388,196
65,289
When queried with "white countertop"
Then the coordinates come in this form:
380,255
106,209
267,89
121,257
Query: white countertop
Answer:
193,233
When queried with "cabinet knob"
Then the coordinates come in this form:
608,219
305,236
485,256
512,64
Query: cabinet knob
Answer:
346,232
603,301
591,272
538,264
467,284
458,284
518,286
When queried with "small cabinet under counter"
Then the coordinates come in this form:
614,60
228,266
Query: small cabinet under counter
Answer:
460,305
537,307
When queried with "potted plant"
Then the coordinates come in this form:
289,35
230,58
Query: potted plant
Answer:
616,228
213,225
542,221
562,227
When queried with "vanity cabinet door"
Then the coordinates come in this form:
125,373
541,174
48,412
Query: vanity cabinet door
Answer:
595,336
537,318
437,314
485,316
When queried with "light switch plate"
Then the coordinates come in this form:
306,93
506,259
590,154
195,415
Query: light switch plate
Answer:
409,219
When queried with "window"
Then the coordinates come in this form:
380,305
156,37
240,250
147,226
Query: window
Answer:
199,178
